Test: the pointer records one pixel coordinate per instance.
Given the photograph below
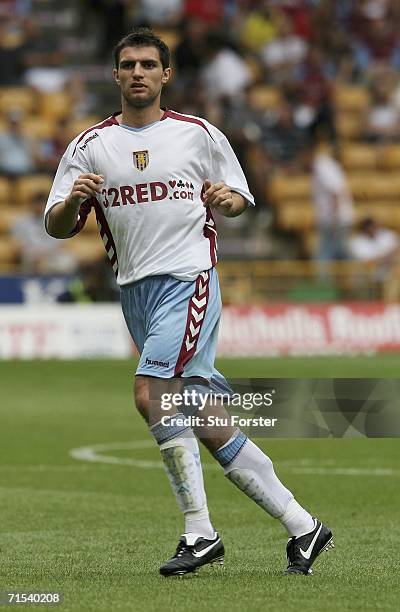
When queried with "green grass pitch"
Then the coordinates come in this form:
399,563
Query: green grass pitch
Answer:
98,531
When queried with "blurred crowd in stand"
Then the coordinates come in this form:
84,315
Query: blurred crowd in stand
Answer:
266,72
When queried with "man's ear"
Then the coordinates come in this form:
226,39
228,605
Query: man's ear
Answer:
166,75
116,76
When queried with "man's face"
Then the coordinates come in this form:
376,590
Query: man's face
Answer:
140,75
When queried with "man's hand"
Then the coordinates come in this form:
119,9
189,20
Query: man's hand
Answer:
85,186
219,197
63,216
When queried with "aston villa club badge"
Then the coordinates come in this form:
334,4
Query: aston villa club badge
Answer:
140,159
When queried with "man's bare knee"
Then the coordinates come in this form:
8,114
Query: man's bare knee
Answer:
148,391
215,436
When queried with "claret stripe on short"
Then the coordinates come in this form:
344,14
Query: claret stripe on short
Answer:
197,308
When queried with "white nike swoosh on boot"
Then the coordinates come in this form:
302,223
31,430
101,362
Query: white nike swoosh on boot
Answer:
203,552
307,553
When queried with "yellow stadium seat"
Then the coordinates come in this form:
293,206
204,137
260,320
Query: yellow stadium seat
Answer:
289,187
264,97
76,126
28,186
393,204
55,105
390,157
86,248
9,252
5,190
355,156
374,186
349,126
385,215
8,216
170,36
310,243
18,98
38,127
350,98
295,216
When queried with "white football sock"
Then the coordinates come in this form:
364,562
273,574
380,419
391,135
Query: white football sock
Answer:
296,520
181,458
253,473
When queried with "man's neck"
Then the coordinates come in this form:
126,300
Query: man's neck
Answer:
140,117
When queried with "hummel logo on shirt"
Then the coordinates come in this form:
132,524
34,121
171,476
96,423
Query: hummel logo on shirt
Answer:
92,137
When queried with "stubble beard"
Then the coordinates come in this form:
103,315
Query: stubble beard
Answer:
141,103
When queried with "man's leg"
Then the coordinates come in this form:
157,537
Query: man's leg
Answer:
180,454
159,311
252,471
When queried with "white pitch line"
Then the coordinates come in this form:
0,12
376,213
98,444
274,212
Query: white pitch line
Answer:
95,454
346,471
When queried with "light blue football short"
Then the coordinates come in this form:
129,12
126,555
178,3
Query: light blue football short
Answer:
174,325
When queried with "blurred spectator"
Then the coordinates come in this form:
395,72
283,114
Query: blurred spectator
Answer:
44,61
298,12
210,12
382,120
18,153
333,204
166,13
245,124
15,8
13,46
329,35
50,150
375,244
39,252
110,19
314,92
46,78
225,73
95,284
259,26
189,52
84,101
284,53
283,140
377,40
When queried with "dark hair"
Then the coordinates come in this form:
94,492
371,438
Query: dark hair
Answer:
366,223
143,37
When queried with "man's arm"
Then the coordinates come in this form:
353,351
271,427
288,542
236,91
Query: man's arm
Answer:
63,217
221,198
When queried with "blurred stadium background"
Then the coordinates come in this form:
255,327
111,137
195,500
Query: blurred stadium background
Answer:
307,91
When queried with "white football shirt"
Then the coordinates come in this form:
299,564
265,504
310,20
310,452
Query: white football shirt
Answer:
150,212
